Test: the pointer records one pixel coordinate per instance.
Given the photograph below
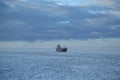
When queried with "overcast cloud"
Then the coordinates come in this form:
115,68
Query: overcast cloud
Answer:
59,19
22,21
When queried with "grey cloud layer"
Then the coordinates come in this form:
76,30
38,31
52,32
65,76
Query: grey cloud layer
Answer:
24,20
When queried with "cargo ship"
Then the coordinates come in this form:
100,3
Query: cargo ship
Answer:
60,49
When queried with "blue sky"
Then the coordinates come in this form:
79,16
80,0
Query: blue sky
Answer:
31,20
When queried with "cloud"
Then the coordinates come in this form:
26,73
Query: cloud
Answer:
63,22
110,2
81,25
90,45
35,19
115,27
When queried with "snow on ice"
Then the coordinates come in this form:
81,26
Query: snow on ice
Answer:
50,65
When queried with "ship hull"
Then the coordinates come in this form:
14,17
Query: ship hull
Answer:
62,50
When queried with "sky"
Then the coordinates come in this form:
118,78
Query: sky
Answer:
48,21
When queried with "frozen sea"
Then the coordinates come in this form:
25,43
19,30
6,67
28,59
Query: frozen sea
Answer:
51,65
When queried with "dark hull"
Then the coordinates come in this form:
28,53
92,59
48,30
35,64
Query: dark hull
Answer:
62,50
